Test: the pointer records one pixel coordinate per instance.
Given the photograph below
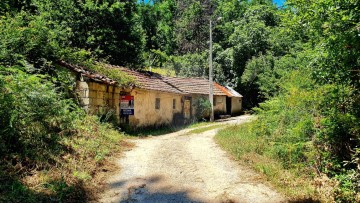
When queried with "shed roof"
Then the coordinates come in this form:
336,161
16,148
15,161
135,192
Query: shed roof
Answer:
233,92
230,92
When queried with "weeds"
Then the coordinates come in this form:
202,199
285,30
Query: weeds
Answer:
304,149
50,150
164,129
245,146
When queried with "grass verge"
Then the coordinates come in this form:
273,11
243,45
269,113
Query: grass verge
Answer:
199,130
152,131
76,173
297,183
165,129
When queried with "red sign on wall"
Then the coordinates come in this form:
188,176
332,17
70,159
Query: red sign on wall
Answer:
127,105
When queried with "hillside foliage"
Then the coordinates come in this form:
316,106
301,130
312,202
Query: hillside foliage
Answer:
297,67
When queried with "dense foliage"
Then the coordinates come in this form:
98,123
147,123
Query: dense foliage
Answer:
47,143
298,64
306,65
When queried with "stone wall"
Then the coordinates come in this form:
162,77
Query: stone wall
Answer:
97,98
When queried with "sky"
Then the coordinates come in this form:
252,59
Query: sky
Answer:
279,2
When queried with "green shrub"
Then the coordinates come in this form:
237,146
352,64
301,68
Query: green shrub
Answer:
203,108
112,72
48,137
308,129
33,115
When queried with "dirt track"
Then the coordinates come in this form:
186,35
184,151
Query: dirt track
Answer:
185,168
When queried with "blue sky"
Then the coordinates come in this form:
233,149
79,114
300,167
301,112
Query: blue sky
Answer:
277,2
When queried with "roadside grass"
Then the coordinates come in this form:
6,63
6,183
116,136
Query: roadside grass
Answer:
202,129
152,131
260,153
164,129
76,173
200,124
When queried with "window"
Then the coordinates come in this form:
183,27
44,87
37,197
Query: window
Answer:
174,103
157,103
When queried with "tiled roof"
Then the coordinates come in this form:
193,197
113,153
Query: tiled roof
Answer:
151,81
193,85
144,79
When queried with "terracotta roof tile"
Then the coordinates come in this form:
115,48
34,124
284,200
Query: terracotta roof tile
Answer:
230,92
193,85
151,81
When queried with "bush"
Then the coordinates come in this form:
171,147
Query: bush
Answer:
203,108
33,115
49,148
308,129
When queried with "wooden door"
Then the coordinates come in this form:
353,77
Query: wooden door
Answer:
187,109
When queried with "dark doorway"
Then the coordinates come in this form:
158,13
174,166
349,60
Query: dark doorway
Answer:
228,105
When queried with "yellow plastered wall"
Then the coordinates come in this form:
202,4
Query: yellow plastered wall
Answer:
98,98
236,105
220,104
145,113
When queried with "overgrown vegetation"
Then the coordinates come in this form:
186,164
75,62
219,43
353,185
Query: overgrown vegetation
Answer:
265,155
306,151
50,149
152,130
203,108
299,64
308,116
114,73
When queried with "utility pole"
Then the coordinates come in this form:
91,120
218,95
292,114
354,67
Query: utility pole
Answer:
211,83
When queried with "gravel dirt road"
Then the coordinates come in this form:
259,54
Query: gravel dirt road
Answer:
185,168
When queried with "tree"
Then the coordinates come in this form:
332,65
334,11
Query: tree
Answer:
192,26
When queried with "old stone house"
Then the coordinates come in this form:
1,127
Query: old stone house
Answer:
153,99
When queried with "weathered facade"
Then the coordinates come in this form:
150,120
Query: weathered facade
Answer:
155,107
233,100
154,100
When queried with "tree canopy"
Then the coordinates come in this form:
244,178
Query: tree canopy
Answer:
301,59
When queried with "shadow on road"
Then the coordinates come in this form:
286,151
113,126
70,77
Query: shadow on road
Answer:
307,200
151,189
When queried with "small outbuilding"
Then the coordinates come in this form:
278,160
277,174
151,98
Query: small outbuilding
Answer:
233,100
